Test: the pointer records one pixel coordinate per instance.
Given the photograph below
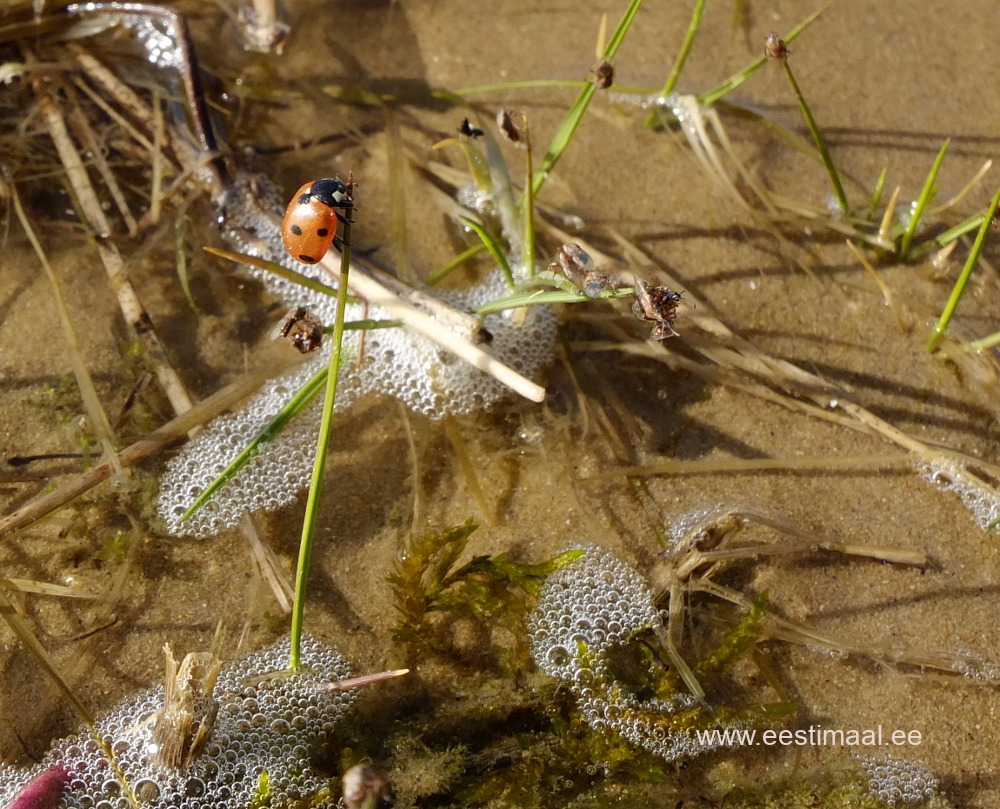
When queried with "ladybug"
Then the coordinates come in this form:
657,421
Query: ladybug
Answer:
310,223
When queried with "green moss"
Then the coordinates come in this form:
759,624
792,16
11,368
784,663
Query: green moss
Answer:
438,599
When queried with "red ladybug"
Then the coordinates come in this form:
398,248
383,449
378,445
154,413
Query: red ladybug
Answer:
310,223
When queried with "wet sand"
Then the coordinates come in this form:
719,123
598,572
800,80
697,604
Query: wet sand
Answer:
888,87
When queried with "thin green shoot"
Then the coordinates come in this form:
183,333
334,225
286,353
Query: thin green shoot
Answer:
281,419
501,189
564,135
479,166
303,396
926,194
982,344
682,55
528,209
711,96
877,193
547,297
274,268
440,274
322,448
937,333
180,249
494,247
527,84
817,133
960,229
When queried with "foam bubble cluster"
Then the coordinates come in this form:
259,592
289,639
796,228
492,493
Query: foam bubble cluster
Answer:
950,477
398,362
895,781
273,724
585,610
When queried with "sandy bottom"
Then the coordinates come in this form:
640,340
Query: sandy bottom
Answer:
887,87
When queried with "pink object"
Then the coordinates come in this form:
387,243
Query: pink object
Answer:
43,791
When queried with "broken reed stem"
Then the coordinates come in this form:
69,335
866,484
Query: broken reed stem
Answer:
311,517
93,218
434,329
937,333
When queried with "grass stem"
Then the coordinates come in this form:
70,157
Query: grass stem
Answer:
322,449
565,133
817,133
682,55
926,193
937,333
710,97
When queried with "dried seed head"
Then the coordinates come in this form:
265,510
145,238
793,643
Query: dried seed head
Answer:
511,131
604,75
774,47
572,261
658,305
364,787
183,725
301,329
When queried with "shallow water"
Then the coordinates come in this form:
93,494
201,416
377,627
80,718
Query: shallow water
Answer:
887,88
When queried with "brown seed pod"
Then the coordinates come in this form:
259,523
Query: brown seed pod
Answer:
604,75
774,47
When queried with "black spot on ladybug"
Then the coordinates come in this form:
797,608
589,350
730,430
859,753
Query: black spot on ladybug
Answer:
323,232
296,230
305,199
306,259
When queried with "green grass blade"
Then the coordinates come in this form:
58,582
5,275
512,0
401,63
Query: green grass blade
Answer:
937,333
565,133
276,269
877,193
708,98
682,55
960,229
518,85
817,133
926,193
493,247
439,275
304,395
528,212
539,298
322,448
